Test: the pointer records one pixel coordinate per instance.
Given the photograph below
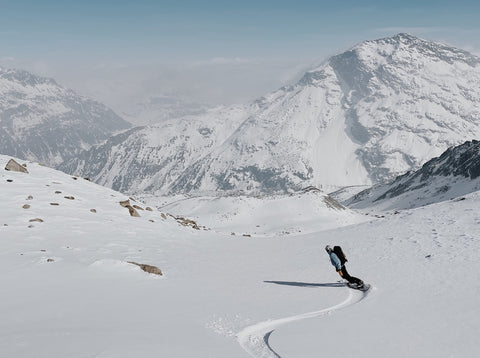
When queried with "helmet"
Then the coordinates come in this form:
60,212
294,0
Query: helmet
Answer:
328,248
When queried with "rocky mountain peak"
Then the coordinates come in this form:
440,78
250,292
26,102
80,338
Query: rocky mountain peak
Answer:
25,78
42,121
404,46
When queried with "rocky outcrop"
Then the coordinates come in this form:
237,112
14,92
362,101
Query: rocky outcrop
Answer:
131,209
148,268
13,166
186,222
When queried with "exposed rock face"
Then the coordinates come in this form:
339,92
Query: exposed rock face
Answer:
456,172
463,160
12,165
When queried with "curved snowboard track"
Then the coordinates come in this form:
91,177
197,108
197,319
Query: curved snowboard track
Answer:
254,339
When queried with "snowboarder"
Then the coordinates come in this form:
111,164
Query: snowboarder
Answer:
338,260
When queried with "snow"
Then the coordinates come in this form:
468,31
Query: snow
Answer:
224,295
302,212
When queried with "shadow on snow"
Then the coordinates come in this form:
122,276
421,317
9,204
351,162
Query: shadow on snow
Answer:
306,284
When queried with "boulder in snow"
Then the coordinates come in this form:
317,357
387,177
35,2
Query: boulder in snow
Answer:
148,268
131,209
13,166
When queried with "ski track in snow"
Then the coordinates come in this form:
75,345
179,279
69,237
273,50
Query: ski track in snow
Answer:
254,339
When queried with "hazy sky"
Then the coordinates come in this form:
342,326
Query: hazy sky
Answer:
205,50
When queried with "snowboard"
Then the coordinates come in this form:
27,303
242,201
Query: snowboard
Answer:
364,288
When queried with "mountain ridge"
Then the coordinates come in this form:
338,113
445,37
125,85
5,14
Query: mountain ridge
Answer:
42,121
453,174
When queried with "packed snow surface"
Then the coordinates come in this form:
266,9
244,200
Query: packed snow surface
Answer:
70,291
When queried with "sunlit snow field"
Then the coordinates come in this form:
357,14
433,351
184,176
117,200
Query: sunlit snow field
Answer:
69,291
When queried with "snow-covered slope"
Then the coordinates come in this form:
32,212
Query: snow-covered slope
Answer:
365,115
42,121
455,173
310,210
70,292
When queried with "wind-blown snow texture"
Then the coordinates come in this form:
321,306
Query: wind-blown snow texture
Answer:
364,116
42,121
70,292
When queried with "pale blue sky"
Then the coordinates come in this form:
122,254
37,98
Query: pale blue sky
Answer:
273,39
177,30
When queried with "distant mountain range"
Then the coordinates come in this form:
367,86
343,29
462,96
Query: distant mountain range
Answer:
363,117
42,121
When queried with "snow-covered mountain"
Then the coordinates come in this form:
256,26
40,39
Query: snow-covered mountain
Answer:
453,174
151,159
42,121
364,116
